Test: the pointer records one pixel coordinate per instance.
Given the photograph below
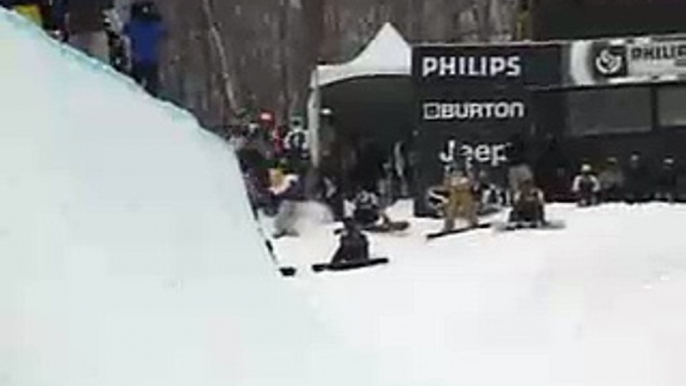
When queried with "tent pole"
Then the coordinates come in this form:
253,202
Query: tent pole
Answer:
314,119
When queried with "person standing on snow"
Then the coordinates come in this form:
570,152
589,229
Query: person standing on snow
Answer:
461,202
145,32
612,181
86,26
667,178
287,191
34,10
518,170
586,187
637,181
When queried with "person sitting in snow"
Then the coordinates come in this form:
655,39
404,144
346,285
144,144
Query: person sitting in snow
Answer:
489,197
528,208
367,211
586,187
353,244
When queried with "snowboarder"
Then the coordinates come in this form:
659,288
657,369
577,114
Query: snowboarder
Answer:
367,211
287,192
461,202
528,209
353,244
489,197
586,187
666,187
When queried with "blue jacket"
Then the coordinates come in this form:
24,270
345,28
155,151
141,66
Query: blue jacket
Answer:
146,37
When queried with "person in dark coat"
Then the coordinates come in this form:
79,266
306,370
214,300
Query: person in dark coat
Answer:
353,244
369,169
145,32
552,171
666,186
637,181
86,26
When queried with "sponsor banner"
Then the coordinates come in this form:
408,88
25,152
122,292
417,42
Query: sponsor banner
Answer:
503,64
635,60
469,111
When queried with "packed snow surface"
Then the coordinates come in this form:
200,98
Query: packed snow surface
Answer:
599,303
128,254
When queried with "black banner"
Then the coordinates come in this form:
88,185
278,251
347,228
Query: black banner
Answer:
488,65
471,101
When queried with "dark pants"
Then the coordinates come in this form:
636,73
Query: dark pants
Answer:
147,75
530,212
351,249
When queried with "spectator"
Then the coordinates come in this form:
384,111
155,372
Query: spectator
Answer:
666,187
586,187
287,191
85,23
34,10
552,171
460,199
637,181
611,181
145,32
519,170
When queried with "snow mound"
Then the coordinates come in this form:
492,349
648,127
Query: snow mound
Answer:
596,304
128,255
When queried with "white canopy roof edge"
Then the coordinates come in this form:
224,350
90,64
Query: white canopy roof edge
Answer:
387,54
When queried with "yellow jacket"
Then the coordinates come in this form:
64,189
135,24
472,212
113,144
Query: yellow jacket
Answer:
31,12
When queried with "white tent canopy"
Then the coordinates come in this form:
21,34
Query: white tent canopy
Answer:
387,54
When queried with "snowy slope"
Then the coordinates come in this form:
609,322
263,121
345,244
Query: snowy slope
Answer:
128,255
599,303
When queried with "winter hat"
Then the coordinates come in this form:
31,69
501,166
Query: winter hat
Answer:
586,168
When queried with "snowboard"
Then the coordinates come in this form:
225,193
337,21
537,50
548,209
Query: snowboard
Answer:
456,231
288,271
395,226
349,265
510,227
285,271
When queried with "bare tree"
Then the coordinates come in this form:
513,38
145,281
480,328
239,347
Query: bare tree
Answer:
230,56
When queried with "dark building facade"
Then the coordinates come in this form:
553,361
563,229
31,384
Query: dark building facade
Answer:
579,19
572,102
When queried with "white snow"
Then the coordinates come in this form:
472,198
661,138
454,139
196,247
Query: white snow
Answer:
598,303
128,254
